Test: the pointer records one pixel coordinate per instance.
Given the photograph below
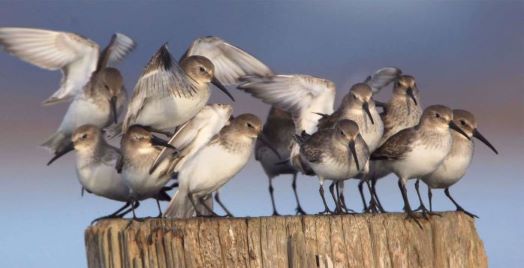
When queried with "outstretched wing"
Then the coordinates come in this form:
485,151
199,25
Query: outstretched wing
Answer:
304,96
117,49
382,77
161,78
231,62
73,54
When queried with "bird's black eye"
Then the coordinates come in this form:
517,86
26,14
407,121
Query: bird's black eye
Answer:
354,96
249,125
84,136
202,70
437,115
107,87
462,122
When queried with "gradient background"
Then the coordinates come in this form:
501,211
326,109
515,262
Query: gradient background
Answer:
466,55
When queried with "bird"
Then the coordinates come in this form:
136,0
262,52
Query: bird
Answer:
454,166
337,154
305,97
402,111
168,93
95,167
76,56
214,165
279,129
417,151
100,103
382,78
139,150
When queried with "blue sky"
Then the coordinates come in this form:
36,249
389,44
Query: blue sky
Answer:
464,54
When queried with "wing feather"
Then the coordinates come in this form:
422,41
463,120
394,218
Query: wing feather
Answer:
231,63
382,77
117,49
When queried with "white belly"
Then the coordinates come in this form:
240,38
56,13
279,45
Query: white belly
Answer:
144,185
211,168
170,112
421,161
103,180
332,170
82,111
449,172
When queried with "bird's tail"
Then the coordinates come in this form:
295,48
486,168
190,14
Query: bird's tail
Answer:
56,141
180,206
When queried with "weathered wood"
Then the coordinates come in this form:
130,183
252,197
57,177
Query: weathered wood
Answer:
382,240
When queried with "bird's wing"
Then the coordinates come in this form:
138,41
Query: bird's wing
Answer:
382,77
303,96
196,133
396,147
111,155
117,49
74,55
161,78
231,62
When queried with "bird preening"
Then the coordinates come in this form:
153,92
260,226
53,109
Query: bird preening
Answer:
171,138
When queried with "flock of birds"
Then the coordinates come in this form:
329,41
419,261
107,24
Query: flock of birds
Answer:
207,145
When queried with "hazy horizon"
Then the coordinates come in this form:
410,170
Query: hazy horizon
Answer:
467,55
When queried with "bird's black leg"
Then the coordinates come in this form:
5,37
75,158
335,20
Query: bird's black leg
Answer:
335,196
299,209
326,208
361,191
421,207
203,203
430,197
217,198
342,199
407,207
135,204
373,204
375,195
114,214
159,208
459,208
275,212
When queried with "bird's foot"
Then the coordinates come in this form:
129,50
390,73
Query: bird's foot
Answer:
300,211
467,212
105,218
410,215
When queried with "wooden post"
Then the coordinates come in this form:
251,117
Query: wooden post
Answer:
366,240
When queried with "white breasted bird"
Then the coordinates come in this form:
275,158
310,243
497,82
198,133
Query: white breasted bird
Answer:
337,153
139,150
75,56
95,167
418,151
454,166
168,93
214,165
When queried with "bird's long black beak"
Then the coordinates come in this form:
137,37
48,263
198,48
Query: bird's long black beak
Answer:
160,142
266,142
365,106
68,148
412,95
479,136
112,102
354,153
454,126
222,87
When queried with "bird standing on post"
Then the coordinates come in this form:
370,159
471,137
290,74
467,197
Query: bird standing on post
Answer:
454,166
337,153
417,151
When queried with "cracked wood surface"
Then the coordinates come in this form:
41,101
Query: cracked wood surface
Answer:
362,240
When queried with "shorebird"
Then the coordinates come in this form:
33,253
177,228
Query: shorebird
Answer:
304,96
418,151
95,168
76,56
214,165
99,104
337,154
454,166
139,149
279,130
168,93
402,111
